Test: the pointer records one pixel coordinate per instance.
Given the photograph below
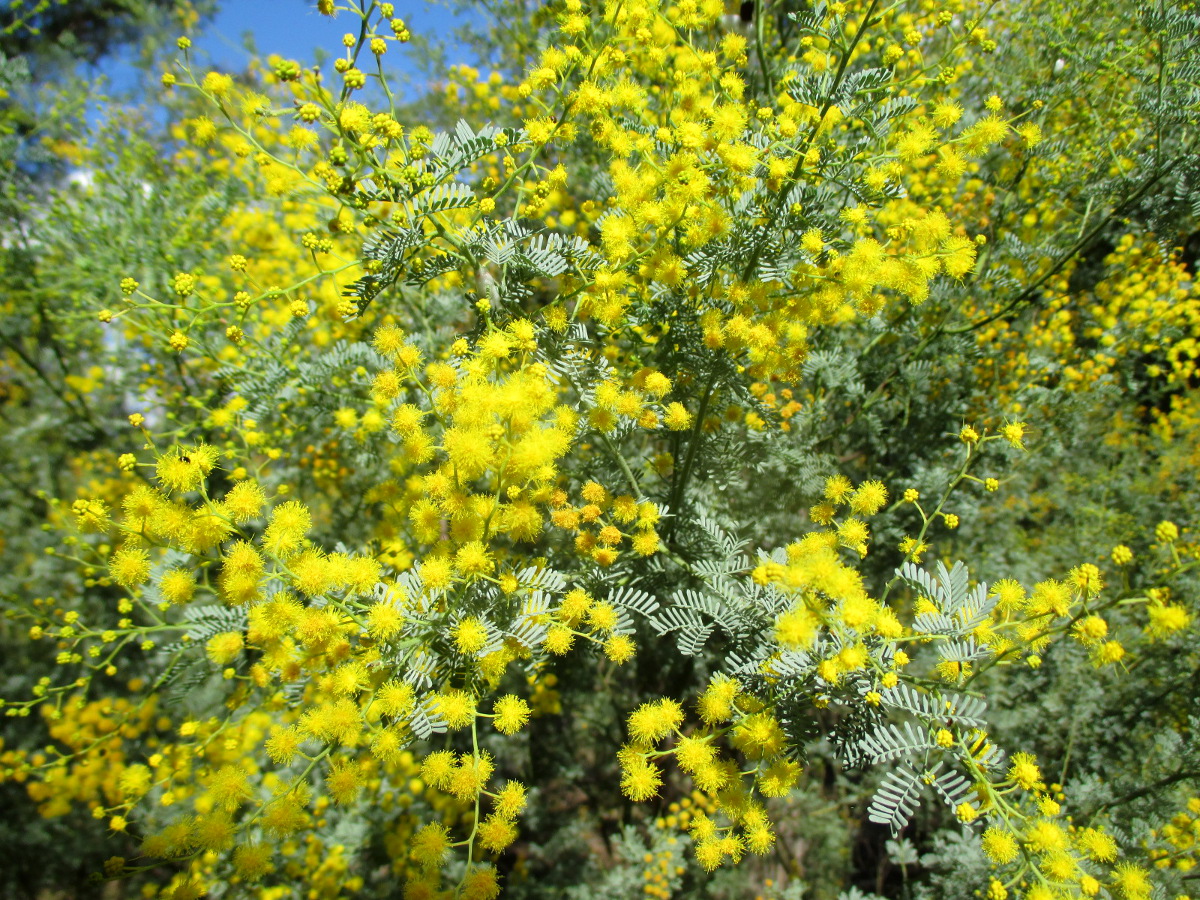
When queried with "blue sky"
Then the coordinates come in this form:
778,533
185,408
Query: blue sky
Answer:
294,29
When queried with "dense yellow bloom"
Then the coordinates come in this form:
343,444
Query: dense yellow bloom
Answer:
470,636
511,714
1000,846
1024,771
1166,619
716,703
797,628
177,586
640,778
869,498
229,787
510,800
470,776
651,722
244,501
344,781
620,648
677,418
496,833
184,469
533,416
286,528
430,845
224,647
456,707
1097,845
129,566
473,559
1132,881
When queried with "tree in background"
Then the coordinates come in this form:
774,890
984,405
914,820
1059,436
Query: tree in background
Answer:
58,31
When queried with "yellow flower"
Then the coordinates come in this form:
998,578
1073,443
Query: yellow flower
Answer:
651,722
473,559
640,778
229,787
1000,846
510,800
129,566
676,417
511,714
1014,433
869,498
1166,619
470,636
430,845
456,707
1024,771
619,648
224,647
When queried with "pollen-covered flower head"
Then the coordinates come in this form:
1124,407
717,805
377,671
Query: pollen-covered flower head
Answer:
184,469
651,722
1024,771
869,498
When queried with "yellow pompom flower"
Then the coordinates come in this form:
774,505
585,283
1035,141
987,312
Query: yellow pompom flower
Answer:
511,714
481,884
838,489
1108,653
129,566
676,417
456,707
288,524
1166,619
438,768
253,861
651,722
177,586
395,698
470,775
1024,771
797,628
1091,629
470,636
473,559
229,787
384,620
1000,846
1014,433
223,648
1097,845
558,640
344,781
496,833
620,648
716,704
430,845
640,778
283,744
244,501
510,800
869,498
1132,881
1166,532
